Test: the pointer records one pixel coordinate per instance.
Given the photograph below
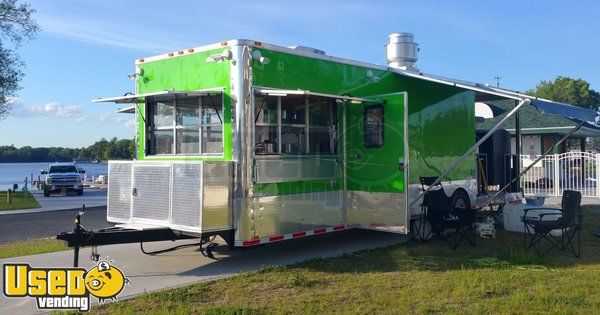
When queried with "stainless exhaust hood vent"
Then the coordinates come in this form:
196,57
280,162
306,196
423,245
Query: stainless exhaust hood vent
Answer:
402,51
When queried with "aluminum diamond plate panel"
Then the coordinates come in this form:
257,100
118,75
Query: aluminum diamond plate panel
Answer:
187,196
216,214
151,191
119,192
377,209
186,203
275,215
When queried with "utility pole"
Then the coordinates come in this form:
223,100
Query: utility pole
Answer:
497,78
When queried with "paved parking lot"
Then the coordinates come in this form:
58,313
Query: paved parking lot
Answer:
23,226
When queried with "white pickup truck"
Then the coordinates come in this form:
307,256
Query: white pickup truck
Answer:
63,176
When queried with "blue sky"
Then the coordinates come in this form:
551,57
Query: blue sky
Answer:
86,48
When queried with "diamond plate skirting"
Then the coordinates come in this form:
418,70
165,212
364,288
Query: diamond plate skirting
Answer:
186,196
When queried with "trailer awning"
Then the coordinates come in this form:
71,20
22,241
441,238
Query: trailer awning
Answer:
486,93
166,95
565,110
280,92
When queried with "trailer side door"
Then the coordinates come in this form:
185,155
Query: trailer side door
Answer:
376,166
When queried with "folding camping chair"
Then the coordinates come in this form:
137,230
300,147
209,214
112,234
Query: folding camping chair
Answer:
450,224
567,220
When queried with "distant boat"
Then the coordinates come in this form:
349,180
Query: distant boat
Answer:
83,161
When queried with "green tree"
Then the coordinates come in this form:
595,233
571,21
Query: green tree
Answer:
16,24
567,90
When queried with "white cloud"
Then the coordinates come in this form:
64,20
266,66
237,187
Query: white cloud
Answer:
51,109
110,34
121,119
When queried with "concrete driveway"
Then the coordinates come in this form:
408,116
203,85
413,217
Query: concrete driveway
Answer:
186,266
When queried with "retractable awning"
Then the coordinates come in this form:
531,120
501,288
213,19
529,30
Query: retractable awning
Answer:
486,92
565,110
280,92
583,117
166,95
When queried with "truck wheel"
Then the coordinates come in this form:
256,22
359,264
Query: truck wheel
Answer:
79,192
460,200
46,193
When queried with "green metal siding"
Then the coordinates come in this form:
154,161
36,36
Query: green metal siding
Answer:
441,117
376,169
187,73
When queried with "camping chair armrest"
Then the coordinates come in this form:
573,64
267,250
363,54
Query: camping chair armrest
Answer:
540,215
541,208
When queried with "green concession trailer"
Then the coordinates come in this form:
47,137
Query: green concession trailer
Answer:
260,143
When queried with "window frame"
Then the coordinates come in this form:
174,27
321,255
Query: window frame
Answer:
382,124
150,128
335,110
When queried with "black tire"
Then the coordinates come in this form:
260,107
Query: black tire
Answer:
46,193
460,200
79,192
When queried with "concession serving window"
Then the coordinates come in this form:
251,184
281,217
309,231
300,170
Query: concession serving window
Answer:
296,122
180,122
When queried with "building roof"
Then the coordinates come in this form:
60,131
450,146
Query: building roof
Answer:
534,123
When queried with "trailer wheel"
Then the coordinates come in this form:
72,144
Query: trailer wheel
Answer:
460,200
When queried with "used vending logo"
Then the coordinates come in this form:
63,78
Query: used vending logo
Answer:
63,288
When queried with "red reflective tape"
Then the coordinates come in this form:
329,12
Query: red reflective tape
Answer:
319,231
276,238
299,234
473,207
377,224
339,227
250,243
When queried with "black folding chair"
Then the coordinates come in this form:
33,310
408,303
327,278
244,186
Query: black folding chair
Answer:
450,224
567,220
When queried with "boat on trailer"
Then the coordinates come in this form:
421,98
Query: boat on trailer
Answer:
259,143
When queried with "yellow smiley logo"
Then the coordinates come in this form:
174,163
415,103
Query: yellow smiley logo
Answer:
105,281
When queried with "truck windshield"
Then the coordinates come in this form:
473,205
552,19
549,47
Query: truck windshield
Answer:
63,169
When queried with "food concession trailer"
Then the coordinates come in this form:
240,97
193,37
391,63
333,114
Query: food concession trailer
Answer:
259,143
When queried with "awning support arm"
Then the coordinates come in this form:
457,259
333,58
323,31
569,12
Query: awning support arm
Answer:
564,138
140,114
472,149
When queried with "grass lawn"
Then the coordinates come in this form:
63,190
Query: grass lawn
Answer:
31,247
496,276
19,201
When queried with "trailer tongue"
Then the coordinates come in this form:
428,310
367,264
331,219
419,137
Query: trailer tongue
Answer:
80,237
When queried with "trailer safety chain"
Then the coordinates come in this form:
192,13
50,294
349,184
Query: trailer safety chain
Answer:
94,256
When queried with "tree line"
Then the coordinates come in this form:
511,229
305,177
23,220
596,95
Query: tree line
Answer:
102,150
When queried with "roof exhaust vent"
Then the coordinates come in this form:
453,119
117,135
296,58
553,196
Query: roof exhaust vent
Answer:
308,49
402,51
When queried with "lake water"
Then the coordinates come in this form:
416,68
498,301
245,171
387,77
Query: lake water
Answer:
15,173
